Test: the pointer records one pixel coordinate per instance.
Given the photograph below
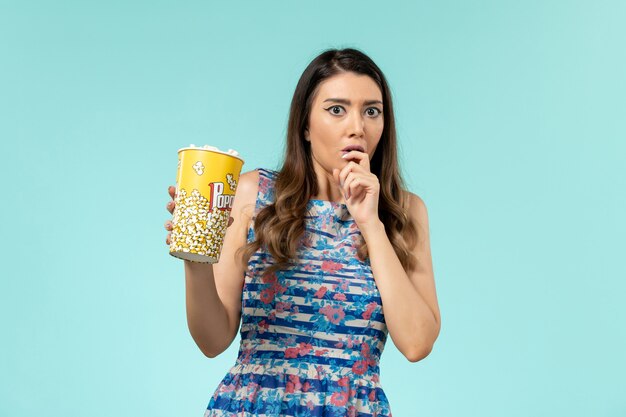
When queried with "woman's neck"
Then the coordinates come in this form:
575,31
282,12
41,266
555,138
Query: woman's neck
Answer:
327,190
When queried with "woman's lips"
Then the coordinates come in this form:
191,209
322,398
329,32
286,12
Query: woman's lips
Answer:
353,148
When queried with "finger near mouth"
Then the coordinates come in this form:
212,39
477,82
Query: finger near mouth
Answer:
351,158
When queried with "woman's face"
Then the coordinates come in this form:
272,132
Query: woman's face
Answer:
346,111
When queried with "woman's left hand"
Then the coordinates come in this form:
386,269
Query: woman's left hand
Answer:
360,188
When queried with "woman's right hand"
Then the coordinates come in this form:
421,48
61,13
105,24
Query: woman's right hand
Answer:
170,207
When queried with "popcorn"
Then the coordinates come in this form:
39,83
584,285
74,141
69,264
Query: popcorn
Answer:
199,168
197,228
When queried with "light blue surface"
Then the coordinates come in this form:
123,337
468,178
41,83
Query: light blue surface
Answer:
511,120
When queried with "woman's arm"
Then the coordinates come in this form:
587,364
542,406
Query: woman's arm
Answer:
206,315
213,291
409,300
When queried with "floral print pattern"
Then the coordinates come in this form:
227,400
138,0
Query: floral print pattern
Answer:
311,336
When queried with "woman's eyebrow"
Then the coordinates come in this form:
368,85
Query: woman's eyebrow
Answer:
346,101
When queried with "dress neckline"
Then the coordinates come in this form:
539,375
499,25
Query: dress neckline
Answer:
324,208
315,201
332,203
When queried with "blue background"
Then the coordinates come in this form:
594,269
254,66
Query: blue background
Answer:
511,121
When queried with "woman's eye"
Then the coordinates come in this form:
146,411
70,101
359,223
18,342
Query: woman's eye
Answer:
332,109
376,111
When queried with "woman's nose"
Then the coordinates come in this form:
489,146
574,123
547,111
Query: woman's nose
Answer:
357,124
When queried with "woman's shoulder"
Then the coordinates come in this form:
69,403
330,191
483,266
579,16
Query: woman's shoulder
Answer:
416,208
259,183
255,175
412,199
259,174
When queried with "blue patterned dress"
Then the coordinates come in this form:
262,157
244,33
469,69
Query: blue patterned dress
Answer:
312,335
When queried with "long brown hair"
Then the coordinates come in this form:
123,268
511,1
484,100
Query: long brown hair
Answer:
280,226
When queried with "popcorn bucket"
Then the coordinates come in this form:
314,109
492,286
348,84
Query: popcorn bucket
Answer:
205,190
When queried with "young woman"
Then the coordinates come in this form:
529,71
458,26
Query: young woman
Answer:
324,257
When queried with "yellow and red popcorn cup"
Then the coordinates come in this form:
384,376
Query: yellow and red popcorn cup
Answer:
205,190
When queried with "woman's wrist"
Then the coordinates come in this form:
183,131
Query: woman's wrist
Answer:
372,229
